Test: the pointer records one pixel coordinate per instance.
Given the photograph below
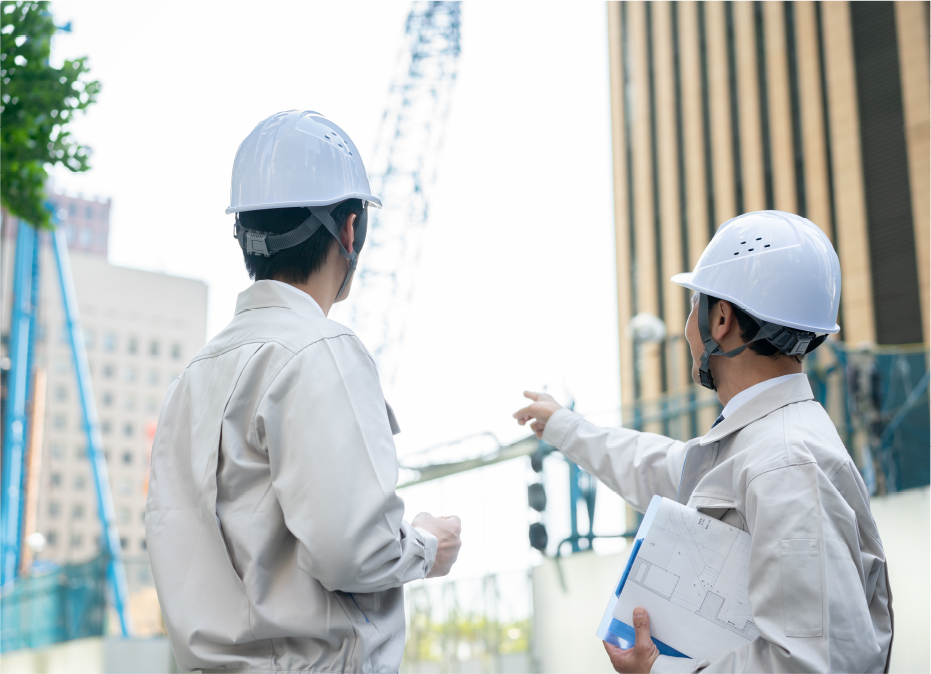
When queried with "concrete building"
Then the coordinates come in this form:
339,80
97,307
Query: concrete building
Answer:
723,108
141,329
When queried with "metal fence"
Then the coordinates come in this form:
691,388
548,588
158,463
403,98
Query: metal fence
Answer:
70,602
878,399
876,396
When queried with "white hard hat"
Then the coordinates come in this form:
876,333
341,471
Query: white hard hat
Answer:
776,266
779,268
297,158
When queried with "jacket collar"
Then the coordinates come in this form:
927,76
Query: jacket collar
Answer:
794,390
267,294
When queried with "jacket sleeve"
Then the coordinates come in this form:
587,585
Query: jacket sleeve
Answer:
636,465
324,423
806,594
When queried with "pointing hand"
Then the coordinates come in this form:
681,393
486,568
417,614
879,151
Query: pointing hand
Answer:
542,408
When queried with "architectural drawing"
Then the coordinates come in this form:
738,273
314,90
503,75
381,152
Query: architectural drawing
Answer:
700,564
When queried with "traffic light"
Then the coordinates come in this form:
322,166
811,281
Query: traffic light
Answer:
536,496
538,537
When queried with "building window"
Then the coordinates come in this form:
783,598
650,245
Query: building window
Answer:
129,402
86,236
143,544
153,348
109,371
77,511
124,543
54,509
107,399
128,429
55,480
88,212
60,422
79,482
132,346
90,338
176,351
77,540
51,539
69,233
151,406
127,457
124,515
61,393
129,374
153,377
109,341
57,450
125,486
62,365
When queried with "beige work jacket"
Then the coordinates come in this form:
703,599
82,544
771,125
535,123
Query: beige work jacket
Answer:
275,534
819,592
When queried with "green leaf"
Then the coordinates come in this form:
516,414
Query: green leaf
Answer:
36,105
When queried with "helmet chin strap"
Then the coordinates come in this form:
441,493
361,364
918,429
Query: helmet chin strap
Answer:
788,341
712,348
323,215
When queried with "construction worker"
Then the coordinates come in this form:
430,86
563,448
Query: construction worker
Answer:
275,534
766,293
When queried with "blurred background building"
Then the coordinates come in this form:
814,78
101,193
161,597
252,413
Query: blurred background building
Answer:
140,331
821,109
721,108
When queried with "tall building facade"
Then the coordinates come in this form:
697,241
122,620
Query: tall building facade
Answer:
140,329
721,108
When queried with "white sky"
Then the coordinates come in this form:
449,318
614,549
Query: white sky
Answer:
516,285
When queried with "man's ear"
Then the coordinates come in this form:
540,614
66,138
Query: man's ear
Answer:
347,232
721,320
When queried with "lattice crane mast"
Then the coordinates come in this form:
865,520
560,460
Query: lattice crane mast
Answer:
403,171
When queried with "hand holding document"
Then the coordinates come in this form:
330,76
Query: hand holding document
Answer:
690,572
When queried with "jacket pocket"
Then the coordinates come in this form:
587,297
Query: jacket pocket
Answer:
800,568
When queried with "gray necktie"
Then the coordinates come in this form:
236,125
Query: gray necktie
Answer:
718,420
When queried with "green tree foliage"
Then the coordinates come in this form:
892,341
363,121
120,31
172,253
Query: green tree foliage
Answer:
38,102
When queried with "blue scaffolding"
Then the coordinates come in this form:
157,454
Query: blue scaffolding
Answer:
23,326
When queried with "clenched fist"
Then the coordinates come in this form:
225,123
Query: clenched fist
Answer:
446,530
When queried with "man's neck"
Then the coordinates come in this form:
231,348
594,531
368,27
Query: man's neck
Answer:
324,283
733,375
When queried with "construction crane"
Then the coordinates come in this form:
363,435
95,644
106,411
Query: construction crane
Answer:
403,172
23,329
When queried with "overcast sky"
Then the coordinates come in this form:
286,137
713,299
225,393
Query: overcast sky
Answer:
516,283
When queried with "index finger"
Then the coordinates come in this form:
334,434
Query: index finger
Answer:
527,412
532,395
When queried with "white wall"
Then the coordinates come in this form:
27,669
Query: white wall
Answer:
566,617
94,655
904,525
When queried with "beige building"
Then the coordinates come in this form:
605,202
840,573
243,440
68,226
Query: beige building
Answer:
141,329
720,108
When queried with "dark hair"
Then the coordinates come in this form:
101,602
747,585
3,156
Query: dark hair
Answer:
748,330
293,265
